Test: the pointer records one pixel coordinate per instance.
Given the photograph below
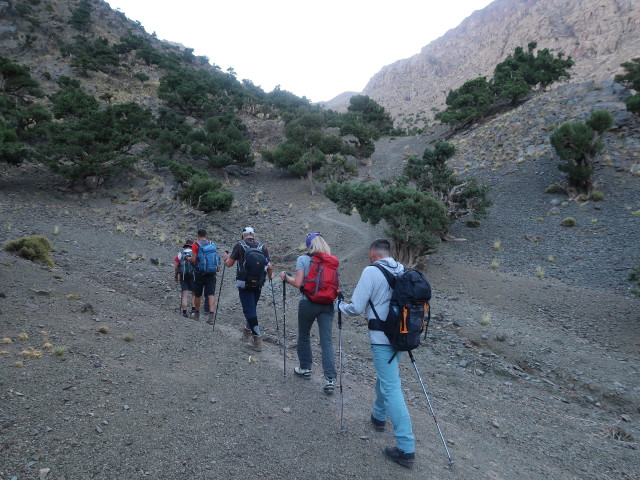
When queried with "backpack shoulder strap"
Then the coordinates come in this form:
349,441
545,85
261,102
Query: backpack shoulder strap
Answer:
391,279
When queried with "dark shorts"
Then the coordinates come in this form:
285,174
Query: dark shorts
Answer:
187,284
206,283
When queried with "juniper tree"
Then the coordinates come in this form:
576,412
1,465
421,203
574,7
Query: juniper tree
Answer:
414,220
579,144
460,197
631,79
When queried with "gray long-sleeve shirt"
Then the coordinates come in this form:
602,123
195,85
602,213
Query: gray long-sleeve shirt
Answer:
373,286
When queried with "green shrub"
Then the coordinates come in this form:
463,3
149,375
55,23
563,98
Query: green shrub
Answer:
597,196
143,77
473,223
569,222
634,277
554,188
206,194
35,248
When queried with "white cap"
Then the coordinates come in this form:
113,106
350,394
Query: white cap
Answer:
247,231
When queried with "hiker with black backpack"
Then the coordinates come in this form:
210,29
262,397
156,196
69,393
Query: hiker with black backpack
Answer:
373,294
185,276
207,263
317,278
253,267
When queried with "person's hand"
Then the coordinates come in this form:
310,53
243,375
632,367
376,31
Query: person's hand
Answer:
283,275
225,256
336,305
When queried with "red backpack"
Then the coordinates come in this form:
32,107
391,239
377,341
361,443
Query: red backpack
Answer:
321,283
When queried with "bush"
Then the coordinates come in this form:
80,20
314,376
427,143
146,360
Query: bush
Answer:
206,194
579,145
35,248
634,277
597,196
569,222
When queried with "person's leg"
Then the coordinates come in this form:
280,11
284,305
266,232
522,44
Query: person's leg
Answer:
209,291
325,328
305,321
198,289
248,301
389,397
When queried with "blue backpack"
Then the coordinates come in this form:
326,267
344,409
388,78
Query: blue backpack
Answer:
208,257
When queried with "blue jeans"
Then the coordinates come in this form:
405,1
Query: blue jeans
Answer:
249,299
389,397
308,312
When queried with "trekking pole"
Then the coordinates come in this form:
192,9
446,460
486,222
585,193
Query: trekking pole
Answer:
275,311
284,325
340,298
433,414
215,315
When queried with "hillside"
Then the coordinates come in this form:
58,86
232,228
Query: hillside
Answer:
531,358
598,35
530,377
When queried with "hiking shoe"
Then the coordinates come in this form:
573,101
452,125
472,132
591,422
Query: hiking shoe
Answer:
257,343
378,424
247,336
398,456
195,315
185,314
303,372
329,386
210,319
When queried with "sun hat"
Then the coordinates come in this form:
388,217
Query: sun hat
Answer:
247,231
311,236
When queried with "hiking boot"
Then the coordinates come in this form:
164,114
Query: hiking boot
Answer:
195,315
378,424
185,314
210,319
329,386
397,455
303,372
257,343
247,336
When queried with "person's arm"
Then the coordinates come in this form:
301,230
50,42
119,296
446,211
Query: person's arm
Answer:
294,281
194,253
269,264
177,269
230,260
361,294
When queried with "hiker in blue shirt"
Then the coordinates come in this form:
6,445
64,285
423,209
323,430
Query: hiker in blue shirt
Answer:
389,402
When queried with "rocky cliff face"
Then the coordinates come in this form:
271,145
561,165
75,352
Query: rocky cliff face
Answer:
598,34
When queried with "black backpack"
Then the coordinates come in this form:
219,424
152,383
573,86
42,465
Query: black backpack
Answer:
253,270
408,309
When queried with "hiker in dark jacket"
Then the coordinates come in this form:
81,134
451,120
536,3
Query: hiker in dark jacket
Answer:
389,402
249,289
185,276
308,312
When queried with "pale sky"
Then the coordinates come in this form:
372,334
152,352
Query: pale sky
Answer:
312,48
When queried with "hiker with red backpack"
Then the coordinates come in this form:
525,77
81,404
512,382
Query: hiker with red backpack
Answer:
206,260
253,267
372,296
317,278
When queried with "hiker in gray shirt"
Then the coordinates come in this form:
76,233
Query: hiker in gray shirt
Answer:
389,402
